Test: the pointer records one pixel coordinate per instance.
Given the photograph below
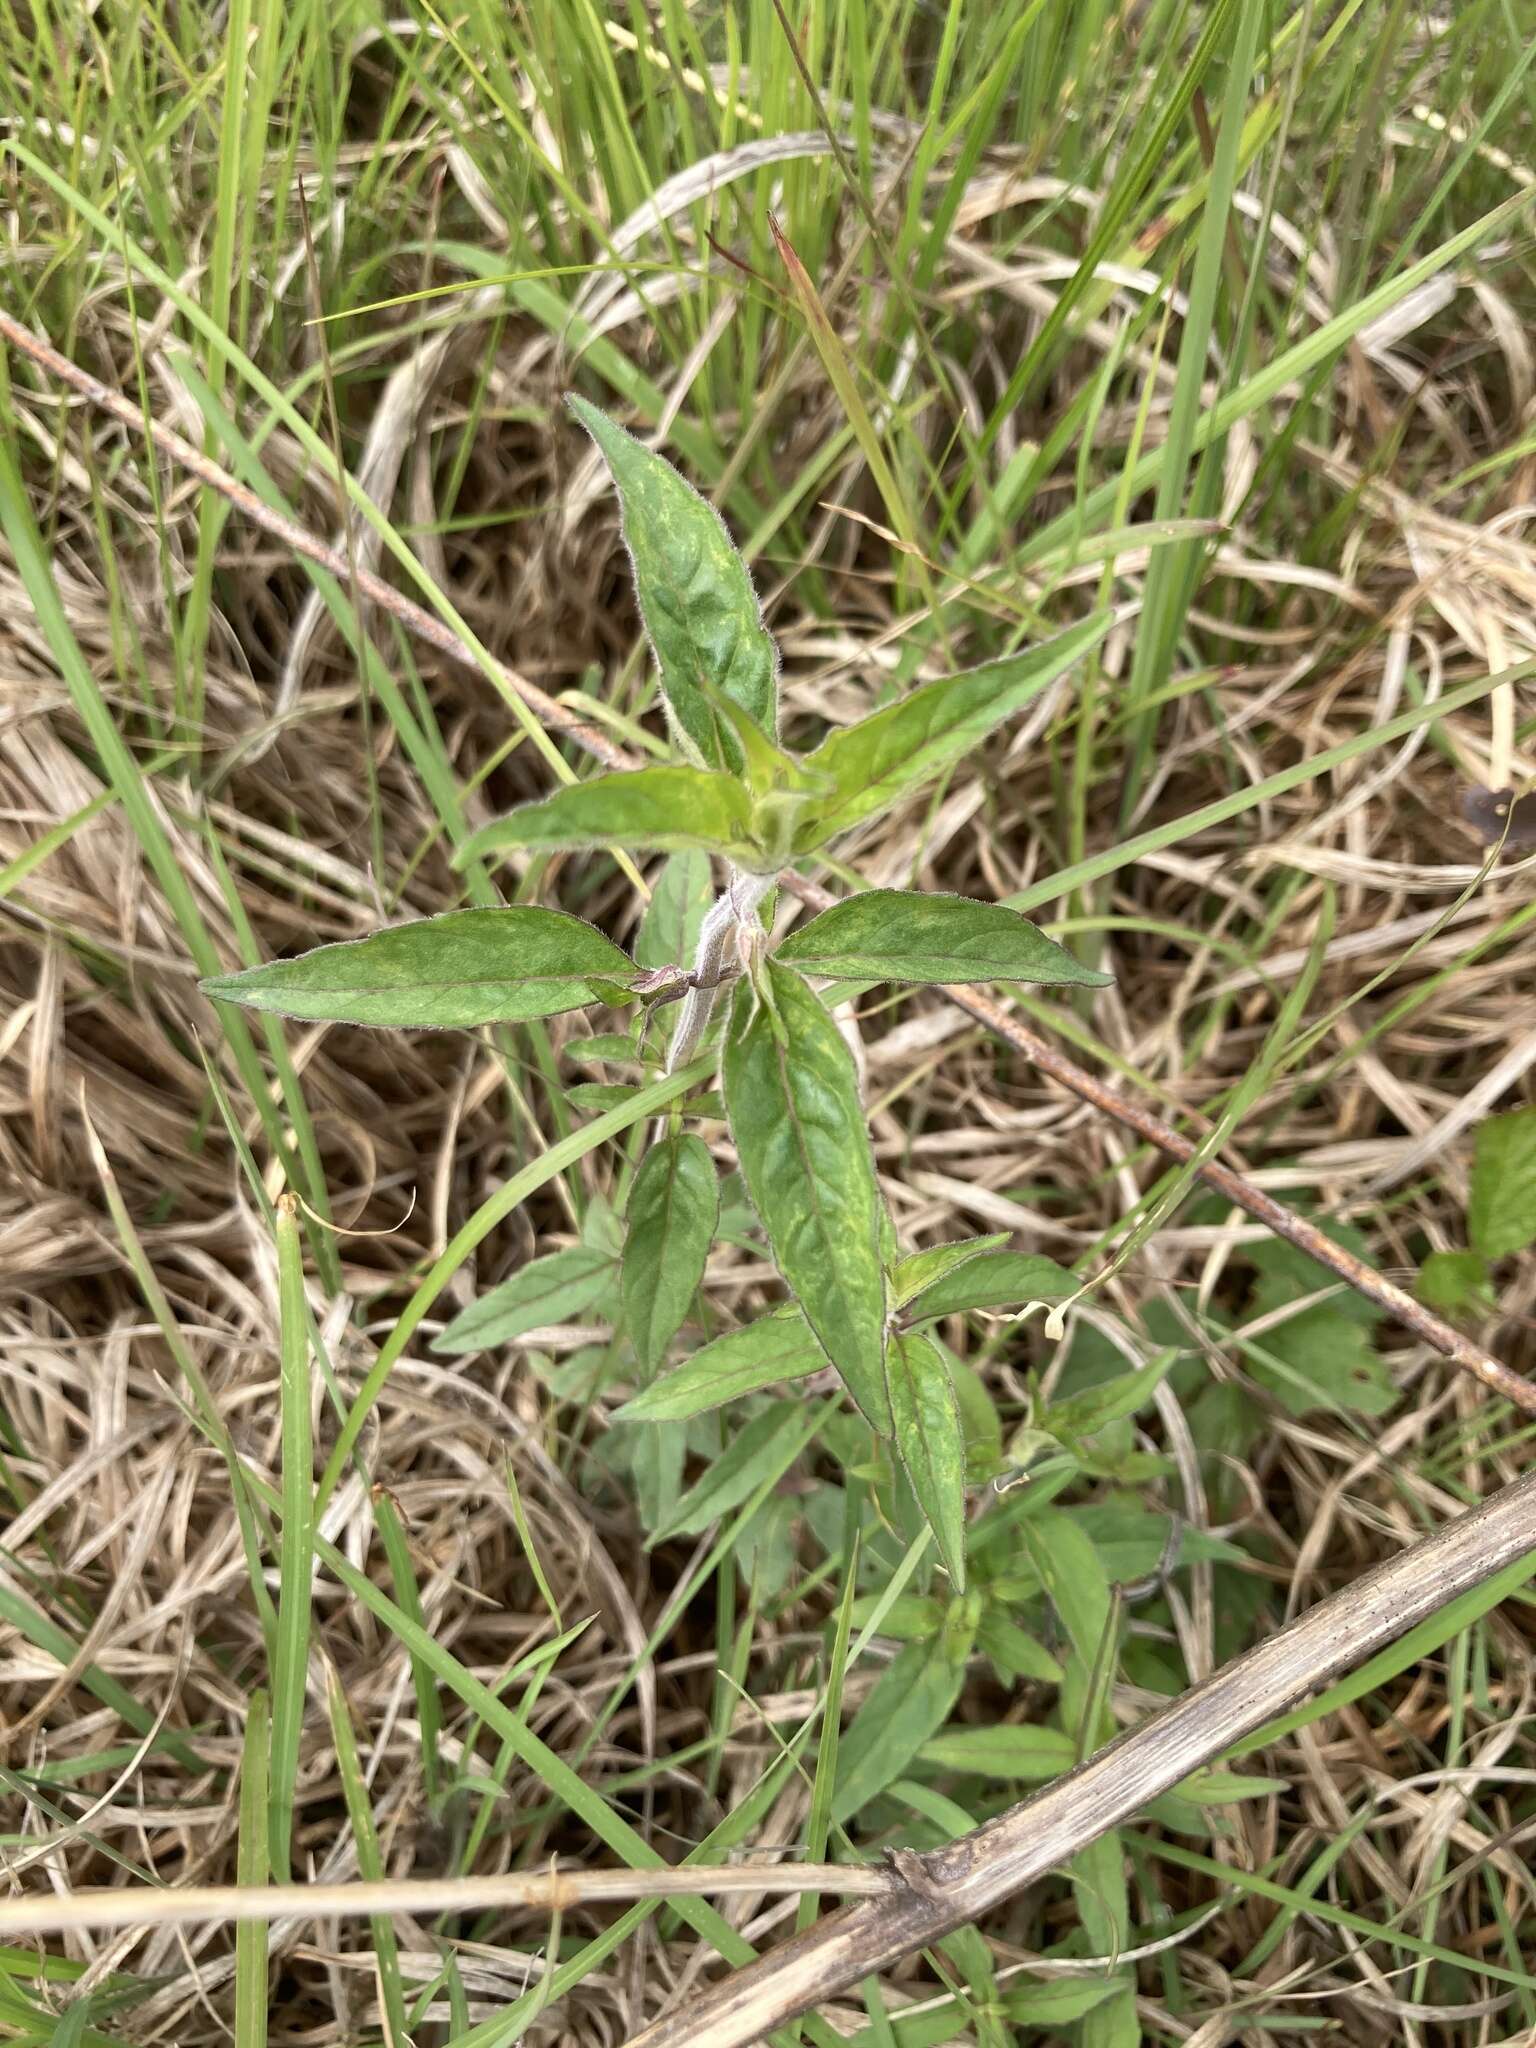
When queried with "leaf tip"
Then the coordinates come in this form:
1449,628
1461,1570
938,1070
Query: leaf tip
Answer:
786,249
586,412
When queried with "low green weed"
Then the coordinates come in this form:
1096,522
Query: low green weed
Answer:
785,1076
1501,1217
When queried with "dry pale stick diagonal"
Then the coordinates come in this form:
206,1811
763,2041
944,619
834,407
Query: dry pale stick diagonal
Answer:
1439,1335
414,616
377,474
920,1898
954,1886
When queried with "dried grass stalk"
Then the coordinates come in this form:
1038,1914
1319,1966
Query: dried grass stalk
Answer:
554,1891
954,1886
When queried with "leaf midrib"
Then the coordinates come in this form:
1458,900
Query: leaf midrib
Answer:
781,1060
218,985
989,968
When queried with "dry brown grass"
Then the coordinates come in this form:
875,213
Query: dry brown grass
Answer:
119,1516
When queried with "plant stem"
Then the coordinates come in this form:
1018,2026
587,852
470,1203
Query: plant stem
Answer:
537,1891
739,901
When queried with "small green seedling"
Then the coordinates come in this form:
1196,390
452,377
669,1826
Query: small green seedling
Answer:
1501,1217
790,1088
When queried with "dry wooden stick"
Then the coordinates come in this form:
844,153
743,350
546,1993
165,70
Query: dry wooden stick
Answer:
1402,1307
919,1898
954,1886
555,1891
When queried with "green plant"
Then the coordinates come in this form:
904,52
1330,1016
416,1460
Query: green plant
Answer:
1501,1216
788,1077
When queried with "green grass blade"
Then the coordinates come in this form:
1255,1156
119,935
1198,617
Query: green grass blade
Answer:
645,1102
252,1867
356,1792
132,792
1170,580
296,1553
1127,851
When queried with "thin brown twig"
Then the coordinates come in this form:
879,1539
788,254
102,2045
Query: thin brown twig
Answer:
436,632
954,1886
1296,1230
1451,1343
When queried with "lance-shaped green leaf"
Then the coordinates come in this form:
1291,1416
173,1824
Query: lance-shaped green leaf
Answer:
618,1048
1023,1752
764,1451
544,1292
792,1097
780,1346
1456,1283
781,787
668,809
674,1206
466,967
909,1276
877,761
1081,1415
761,762
993,1280
1054,2006
601,1095
899,935
925,1420
907,1705
701,613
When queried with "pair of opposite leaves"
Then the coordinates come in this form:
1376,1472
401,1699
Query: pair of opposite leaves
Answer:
718,669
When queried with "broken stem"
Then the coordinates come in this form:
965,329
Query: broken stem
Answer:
952,1887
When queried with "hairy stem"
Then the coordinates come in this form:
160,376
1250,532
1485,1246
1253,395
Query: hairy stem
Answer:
742,895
